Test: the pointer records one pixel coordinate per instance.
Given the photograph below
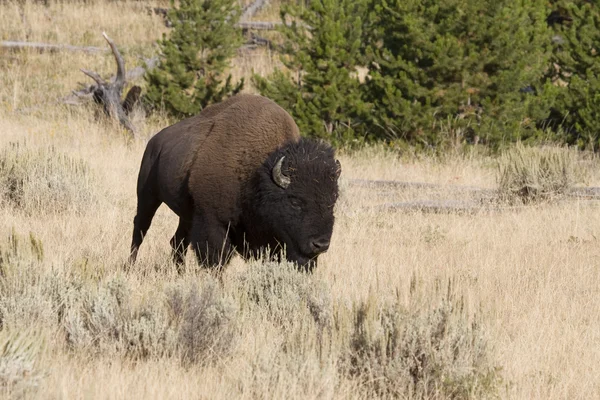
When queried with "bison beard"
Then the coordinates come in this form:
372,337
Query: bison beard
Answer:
241,179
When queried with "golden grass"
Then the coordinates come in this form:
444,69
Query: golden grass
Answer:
528,276
534,174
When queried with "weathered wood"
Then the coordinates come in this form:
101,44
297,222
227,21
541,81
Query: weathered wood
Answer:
460,207
437,207
108,94
17,45
252,9
139,71
243,23
387,184
253,41
259,25
585,192
576,192
86,93
131,99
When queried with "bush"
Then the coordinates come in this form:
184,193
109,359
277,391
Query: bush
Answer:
27,297
529,174
576,65
196,324
324,97
194,57
43,180
478,63
19,373
284,294
206,322
294,310
420,353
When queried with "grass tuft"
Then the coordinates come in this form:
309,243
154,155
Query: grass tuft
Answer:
420,353
41,180
206,322
19,373
533,174
284,294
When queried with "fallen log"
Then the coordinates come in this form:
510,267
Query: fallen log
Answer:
259,25
243,23
575,192
585,192
460,207
437,207
17,45
387,184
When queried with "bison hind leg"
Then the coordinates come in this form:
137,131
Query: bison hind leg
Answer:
180,242
141,223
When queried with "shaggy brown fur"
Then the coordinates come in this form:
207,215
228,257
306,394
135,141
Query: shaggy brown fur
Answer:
201,166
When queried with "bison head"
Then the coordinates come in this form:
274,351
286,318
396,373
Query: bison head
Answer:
292,201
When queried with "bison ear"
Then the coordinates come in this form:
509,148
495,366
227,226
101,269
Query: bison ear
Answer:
338,169
279,177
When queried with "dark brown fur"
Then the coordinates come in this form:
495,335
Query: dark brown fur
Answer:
207,170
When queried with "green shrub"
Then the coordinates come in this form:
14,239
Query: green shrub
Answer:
477,63
322,91
194,56
576,65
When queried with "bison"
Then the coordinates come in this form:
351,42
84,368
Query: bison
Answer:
240,177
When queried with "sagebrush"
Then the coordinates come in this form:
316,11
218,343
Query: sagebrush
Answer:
529,174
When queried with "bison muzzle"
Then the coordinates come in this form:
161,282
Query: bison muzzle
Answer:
240,178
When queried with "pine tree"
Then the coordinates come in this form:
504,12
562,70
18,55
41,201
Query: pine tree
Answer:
576,65
194,57
475,63
321,51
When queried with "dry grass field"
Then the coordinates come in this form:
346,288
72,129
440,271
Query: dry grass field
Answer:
499,303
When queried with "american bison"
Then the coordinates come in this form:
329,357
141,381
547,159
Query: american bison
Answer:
240,177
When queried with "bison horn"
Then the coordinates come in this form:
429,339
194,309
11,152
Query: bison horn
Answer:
278,176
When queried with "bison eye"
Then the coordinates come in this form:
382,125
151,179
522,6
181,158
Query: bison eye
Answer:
296,203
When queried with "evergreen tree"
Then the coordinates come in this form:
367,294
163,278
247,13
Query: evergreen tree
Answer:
576,65
194,57
322,49
476,63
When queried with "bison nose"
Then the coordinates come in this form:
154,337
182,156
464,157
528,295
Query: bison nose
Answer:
320,245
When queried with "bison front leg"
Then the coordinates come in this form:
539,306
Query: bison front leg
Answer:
210,242
180,241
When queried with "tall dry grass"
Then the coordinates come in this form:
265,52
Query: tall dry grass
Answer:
528,174
411,305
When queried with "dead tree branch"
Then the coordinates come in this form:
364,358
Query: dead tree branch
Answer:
252,9
86,93
108,94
